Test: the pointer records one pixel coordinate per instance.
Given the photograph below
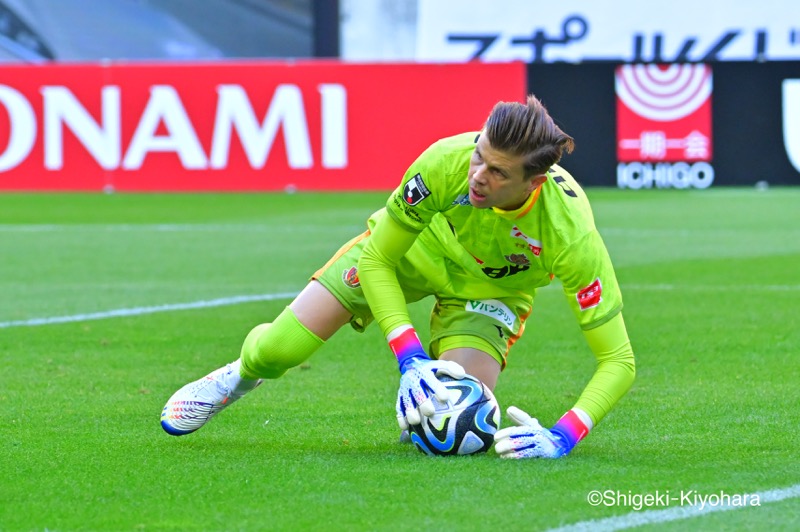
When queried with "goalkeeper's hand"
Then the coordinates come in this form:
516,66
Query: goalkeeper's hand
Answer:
529,439
418,382
419,385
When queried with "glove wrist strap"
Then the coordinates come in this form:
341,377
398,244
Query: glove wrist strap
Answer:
570,429
407,348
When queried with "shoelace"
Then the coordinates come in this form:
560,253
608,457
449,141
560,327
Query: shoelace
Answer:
222,387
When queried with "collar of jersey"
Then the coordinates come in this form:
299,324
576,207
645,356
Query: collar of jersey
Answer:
521,211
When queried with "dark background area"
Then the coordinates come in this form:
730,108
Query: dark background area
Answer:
746,118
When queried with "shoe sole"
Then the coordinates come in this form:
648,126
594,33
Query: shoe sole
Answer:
169,429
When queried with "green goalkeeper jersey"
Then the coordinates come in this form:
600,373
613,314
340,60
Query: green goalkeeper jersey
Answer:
429,239
471,253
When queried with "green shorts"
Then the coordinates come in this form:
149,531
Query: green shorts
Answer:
490,325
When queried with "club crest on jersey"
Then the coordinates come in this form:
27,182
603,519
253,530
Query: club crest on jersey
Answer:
518,258
534,245
591,296
350,278
415,190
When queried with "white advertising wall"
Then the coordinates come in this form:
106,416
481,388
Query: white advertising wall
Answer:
618,31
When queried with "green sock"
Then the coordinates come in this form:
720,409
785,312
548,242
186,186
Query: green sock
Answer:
271,349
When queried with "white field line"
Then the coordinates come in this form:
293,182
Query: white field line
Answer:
175,228
235,300
713,288
677,513
139,311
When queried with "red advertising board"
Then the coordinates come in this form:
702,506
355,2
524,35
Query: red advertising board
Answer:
663,112
235,126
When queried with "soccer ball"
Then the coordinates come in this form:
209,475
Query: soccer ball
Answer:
465,425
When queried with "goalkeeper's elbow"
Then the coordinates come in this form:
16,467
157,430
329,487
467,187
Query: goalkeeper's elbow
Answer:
627,364
622,365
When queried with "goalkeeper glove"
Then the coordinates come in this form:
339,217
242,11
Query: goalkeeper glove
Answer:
530,440
418,381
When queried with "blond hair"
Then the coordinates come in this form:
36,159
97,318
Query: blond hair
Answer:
527,129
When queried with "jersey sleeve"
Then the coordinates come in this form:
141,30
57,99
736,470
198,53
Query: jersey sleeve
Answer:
590,284
615,372
425,190
422,192
388,242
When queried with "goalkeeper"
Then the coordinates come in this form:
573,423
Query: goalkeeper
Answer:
481,221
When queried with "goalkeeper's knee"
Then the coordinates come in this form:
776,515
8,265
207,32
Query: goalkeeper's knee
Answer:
271,349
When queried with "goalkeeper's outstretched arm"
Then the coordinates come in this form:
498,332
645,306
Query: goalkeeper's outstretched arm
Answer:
615,372
388,243
612,378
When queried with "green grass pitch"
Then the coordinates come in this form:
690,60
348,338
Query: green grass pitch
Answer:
711,282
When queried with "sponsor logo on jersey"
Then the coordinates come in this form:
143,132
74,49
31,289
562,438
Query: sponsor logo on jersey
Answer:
462,199
494,309
534,245
591,296
350,278
415,190
505,271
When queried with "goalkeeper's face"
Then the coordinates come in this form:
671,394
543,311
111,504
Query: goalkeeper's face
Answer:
497,178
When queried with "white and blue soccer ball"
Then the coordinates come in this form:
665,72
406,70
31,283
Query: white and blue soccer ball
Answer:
464,425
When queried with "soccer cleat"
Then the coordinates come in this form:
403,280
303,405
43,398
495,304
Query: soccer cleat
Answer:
193,405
